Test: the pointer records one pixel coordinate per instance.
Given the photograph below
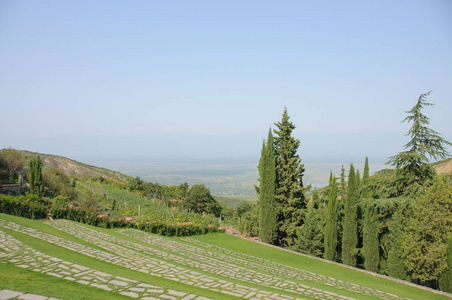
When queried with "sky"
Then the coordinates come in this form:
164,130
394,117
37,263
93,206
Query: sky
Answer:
141,80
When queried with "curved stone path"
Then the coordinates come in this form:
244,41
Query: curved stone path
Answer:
206,264
199,264
14,251
222,256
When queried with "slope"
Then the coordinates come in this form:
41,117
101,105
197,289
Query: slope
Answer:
130,263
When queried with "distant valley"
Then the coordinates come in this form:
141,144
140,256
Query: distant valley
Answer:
222,177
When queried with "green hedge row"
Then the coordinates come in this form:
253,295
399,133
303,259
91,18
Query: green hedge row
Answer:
33,207
30,206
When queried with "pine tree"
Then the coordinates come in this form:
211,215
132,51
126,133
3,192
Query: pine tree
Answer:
371,228
396,267
35,177
267,190
349,236
331,221
445,281
412,164
289,174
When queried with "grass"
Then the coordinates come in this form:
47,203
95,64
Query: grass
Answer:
317,266
24,280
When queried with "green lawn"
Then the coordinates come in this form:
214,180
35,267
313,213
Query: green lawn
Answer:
185,255
317,266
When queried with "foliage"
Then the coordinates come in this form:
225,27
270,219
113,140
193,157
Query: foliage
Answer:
427,231
412,164
396,265
445,280
58,182
350,237
268,227
331,226
200,200
309,238
371,247
11,160
248,222
289,174
30,206
35,177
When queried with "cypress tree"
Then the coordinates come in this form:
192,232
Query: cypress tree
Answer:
358,180
349,235
331,222
366,174
371,228
396,266
267,190
289,174
35,177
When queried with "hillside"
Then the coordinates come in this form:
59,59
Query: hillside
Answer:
75,168
443,167
67,260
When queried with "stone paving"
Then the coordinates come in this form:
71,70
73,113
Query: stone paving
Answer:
7,295
13,251
204,263
142,263
225,257
178,261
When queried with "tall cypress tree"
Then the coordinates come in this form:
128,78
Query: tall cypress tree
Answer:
349,235
267,192
371,247
289,174
331,221
35,177
396,267
366,174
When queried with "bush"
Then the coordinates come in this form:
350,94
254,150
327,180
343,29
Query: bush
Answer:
30,206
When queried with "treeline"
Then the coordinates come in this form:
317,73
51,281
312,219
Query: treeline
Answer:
397,222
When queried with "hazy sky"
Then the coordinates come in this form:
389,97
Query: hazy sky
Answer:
95,80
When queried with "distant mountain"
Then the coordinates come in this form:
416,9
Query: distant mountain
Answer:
75,168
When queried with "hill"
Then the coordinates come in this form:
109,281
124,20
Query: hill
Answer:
75,168
443,166
67,260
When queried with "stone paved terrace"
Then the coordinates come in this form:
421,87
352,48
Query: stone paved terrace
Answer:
225,270
10,295
13,251
196,264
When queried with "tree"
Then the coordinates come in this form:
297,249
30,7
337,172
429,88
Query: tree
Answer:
331,225
412,164
268,226
366,174
445,281
309,235
427,231
200,200
349,235
289,175
396,266
371,228
35,177
11,160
